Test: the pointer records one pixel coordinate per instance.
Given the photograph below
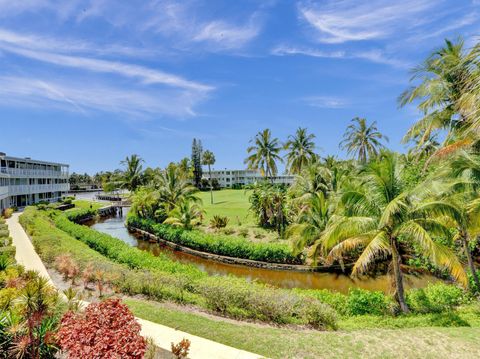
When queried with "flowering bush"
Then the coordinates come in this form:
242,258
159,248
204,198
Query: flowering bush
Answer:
106,330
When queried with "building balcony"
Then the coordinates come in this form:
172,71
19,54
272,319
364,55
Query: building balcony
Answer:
3,192
37,188
20,172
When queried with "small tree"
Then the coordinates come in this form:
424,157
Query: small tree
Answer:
106,330
208,159
197,151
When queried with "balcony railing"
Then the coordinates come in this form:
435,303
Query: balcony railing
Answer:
38,188
21,172
3,192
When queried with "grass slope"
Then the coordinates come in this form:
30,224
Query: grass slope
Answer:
419,342
227,202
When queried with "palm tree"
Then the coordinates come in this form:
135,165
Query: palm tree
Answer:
208,159
443,77
264,152
145,202
310,223
362,140
132,176
301,150
465,169
173,188
186,214
380,216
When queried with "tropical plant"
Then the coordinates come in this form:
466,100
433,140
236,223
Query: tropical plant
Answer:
310,223
269,203
301,150
173,188
446,83
218,222
379,218
264,154
186,214
208,159
145,202
107,329
362,140
132,175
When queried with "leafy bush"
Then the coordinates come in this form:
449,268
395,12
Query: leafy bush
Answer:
360,301
107,329
218,222
4,233
7,213
81,214
215,243
435,298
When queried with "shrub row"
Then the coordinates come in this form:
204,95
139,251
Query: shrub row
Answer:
233,297
6,248
81,214
217,244
119,251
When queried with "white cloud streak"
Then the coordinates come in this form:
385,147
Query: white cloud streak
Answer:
77,96
325,102
351,20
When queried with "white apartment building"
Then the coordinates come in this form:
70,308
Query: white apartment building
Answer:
228,178
24,181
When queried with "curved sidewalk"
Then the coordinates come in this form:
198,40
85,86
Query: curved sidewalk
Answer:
163,336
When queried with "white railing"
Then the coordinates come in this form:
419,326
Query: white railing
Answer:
33,173
3,192
38,188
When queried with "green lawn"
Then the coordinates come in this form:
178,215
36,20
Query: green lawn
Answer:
424,341
228,202
80,203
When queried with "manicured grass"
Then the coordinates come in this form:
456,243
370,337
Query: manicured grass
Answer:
232,203
425,341
83,204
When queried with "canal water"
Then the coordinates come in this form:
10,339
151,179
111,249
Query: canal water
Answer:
115,226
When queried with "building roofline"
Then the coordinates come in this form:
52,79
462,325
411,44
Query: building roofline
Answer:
23,159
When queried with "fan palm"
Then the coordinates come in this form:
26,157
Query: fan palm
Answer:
173,188
264,154
132,176
378,217
186,214
362,140
208,159
301,150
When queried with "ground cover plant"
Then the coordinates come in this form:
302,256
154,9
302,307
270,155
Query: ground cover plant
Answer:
217,243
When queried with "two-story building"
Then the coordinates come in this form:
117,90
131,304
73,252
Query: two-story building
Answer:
228,178
24,181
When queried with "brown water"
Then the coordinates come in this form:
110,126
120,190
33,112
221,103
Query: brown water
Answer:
115,226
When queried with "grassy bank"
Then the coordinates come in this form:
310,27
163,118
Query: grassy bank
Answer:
424,341
228,202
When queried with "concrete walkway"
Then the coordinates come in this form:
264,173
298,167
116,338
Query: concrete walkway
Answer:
163,336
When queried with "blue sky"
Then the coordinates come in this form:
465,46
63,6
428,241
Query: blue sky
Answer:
89,82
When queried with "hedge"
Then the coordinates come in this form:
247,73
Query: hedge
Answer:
121,252
81,214
217,244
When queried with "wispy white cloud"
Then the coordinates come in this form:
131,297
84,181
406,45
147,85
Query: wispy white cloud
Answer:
376,55
78,96
145,74
325,102
351,20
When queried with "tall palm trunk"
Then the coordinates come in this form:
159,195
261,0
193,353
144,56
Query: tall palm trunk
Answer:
471,265
397,275
211,186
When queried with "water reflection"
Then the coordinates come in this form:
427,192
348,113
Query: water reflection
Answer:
286,279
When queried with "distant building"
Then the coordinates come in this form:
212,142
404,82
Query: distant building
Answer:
228,178
24,181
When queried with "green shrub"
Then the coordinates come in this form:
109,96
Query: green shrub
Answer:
218,222
361,301
216,243
4,233
243,232
337,301
2,220
81,214
435,298
8,251
3,227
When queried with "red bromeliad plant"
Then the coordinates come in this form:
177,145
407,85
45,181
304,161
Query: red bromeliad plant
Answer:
105,330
